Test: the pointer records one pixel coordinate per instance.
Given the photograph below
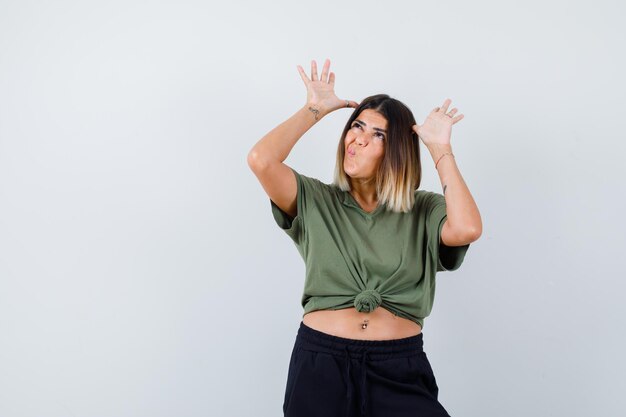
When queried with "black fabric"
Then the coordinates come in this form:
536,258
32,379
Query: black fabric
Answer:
332,376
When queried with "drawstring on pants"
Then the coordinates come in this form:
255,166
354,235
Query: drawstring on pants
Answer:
310,342
363,382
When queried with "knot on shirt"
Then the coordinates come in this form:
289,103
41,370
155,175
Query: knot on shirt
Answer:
367,301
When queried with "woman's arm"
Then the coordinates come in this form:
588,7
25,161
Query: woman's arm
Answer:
267,155
463,223
275,146
266,158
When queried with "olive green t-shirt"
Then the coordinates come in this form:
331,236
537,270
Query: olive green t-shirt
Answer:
358,259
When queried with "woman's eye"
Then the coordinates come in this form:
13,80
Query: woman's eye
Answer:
379,135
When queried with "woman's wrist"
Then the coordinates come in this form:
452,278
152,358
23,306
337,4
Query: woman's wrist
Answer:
437,150
316,110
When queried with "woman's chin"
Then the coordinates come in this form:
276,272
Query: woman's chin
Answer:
347,169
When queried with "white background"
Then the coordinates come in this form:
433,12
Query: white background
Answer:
142,274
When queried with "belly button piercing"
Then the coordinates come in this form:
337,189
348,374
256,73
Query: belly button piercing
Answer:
364,325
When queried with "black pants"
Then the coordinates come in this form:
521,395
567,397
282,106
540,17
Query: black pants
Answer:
331,376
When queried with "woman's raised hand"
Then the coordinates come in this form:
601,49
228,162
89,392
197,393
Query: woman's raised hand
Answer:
320,92
437,127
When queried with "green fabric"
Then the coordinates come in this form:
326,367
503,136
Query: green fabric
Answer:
365,260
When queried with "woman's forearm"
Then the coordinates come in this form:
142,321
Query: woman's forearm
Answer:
276,145
461,209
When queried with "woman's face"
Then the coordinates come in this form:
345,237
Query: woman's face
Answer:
365,145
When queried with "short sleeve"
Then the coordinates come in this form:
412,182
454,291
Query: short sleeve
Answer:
449,258
294,227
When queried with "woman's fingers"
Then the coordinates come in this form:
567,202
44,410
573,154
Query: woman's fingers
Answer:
326,76
444,111
350,103
303,75
446,103
325,71
313,71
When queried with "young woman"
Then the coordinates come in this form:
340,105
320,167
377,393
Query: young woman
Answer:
372,244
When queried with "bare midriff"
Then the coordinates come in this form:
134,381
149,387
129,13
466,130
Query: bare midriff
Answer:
379,324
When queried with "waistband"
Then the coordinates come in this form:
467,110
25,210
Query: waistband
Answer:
365,350
376,349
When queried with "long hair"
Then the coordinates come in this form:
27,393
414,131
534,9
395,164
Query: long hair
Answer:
400,171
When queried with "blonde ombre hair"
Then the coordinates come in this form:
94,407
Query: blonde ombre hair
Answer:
400,171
